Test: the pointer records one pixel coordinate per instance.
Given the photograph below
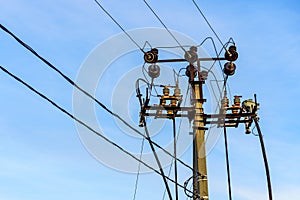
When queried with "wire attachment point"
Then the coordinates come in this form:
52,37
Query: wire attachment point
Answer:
151,56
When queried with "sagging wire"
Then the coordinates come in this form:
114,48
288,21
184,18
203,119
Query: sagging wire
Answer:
218,55
118,24
253,133
264,154
214,47
86,126
230,41
86,93
188,192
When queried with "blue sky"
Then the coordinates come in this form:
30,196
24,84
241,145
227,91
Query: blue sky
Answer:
41,155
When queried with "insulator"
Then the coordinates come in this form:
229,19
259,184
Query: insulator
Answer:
191,55
154,71
177,92
151,56
237,101
231,54
189,70
166,91
204,75
193,48
225,102
229,68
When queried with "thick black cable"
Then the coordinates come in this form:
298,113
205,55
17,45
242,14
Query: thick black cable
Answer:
86,93
157,160
173,36
227,163
139,169
198,8
85,125
119,25
263,149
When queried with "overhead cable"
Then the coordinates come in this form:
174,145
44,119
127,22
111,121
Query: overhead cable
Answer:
227,163
86,93
138,172
263,149
119,25
157,160
85,125
198,8
173,36
175,155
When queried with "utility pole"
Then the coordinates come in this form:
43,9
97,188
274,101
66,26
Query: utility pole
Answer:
169,107
200,184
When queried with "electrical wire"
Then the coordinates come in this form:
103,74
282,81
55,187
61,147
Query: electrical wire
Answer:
147,43
215,49
218,55
198,8
172,35
138,172
175,156
86,93
119,25
226,150
85,125
263,150
176,139
157,159
185,186
227,163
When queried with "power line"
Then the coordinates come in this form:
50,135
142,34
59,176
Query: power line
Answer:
227,163
119,25
138,172
176,139
85,125
157,160
198,8
263,149
175,155
86,93
173,36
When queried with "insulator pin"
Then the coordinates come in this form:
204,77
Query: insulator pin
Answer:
229,68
